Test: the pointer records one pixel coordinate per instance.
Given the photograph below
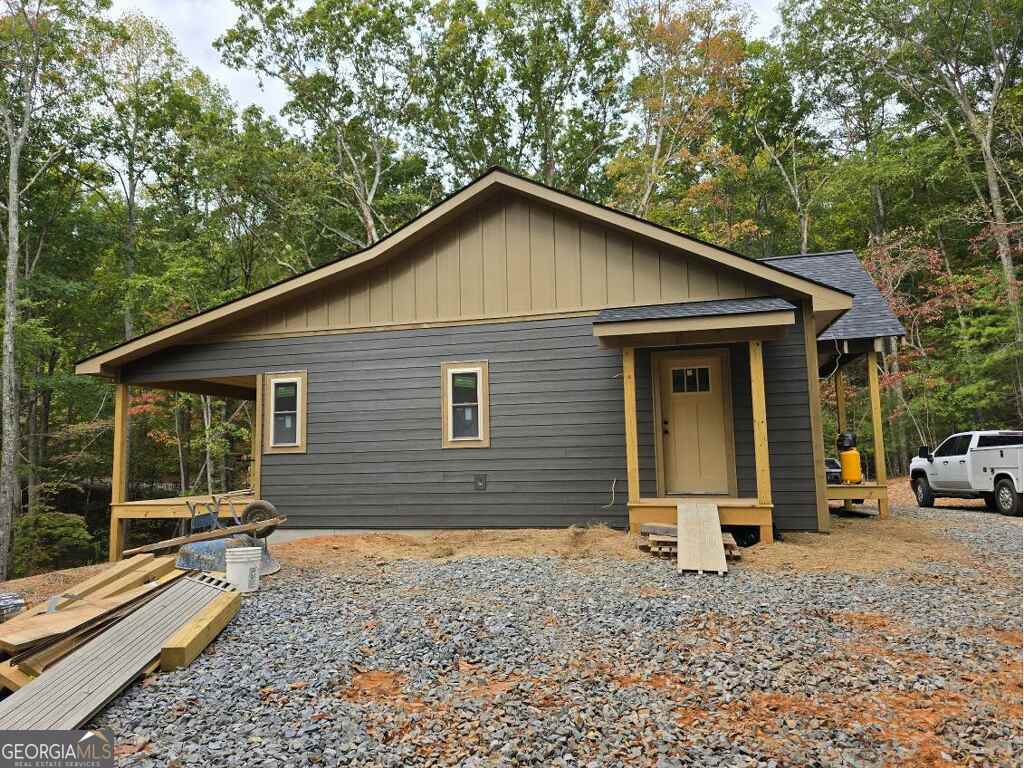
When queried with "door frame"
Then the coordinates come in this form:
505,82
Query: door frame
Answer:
730,431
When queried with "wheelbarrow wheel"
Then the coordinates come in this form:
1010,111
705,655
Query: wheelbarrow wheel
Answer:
258,511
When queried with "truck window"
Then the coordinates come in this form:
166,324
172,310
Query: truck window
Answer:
952,446
998,441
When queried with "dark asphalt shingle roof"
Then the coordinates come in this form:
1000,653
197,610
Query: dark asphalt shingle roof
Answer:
712,308
870,317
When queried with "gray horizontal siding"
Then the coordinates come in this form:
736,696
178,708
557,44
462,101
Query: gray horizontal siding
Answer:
374,432
557,428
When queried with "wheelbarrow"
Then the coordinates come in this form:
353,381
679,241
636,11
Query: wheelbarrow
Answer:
209,555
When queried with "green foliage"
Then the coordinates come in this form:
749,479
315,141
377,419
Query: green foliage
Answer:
47,541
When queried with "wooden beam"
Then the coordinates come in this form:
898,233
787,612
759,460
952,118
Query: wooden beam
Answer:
760,414
185,645
876,428
257,438
214,535
814,404
632,440
119,470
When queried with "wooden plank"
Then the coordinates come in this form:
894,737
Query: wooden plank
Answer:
156,568
876,428
814,404
182,648
700,538
219,533
13,678
93,584
663,530
632,439
70,692
760,417
849,492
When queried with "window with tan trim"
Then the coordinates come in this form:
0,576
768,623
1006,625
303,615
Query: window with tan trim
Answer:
285,407
465,407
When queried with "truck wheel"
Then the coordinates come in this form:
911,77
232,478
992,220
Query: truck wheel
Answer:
1007,498
990,501
923,492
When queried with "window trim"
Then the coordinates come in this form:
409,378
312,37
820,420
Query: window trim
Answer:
271,380
483,404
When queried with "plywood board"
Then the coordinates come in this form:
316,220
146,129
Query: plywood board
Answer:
699,535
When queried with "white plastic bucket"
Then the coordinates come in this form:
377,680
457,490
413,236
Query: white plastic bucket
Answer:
243,567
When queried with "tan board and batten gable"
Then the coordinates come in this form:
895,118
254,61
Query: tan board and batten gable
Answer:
503,247
503,259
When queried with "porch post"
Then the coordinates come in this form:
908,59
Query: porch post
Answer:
876,428
814,403
119,471
632,452
760,413
257,439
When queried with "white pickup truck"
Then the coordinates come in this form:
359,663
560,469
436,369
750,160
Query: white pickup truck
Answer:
971,465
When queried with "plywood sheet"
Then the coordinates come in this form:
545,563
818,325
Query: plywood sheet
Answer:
699,536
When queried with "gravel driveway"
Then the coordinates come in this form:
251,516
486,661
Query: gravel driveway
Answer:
602,662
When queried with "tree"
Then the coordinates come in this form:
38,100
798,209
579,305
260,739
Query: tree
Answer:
346,65
43,71
133,123
689,59
536,85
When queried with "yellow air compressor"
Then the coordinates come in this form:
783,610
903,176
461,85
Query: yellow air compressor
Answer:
849,459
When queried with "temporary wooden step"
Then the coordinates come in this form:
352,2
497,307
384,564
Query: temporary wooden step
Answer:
660,540
699,538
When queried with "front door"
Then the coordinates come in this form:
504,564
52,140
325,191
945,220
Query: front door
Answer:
694,428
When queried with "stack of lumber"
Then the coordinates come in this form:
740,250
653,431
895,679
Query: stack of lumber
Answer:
140,614
661,541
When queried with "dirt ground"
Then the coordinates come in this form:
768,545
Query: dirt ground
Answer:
855,545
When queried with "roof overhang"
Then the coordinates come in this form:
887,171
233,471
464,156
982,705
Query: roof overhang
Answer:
702,322
827,302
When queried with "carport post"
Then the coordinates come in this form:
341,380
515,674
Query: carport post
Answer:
876,427
762,464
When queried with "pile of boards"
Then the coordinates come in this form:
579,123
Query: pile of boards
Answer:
66,658
662,541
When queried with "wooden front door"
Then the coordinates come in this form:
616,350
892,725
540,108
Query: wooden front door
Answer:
696,428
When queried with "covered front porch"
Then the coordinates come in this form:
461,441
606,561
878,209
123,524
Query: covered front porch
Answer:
696,407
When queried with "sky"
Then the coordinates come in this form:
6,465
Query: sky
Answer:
195,24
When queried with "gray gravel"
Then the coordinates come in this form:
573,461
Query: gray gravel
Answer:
541,661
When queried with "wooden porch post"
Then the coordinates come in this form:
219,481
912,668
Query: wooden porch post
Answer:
632,451
814,403
257,440
119,471
760,411
876,428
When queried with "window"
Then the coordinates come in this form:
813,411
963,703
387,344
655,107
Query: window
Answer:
697,379
954,446
285,406
464,409
999,441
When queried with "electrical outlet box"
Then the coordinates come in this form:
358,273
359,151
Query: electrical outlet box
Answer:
479,482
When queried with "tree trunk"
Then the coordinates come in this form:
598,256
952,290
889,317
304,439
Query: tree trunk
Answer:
10,495
207,435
